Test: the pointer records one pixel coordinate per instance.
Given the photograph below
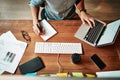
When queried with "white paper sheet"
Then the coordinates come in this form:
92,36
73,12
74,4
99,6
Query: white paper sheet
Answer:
8,36
11,52
49,30
1,71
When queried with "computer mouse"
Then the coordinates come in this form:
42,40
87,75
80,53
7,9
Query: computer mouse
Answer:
76,58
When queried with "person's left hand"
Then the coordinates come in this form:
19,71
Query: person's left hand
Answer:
86,18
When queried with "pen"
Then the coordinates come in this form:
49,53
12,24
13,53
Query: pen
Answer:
42,31
40,28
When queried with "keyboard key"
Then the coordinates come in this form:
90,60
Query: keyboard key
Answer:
94,33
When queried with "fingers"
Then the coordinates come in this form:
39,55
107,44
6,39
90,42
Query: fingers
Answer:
39,30
86,18
36,30
91,22
83,21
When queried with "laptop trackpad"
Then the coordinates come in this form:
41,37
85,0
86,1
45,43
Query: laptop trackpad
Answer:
82,31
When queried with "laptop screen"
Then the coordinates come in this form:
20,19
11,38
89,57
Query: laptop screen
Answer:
110,33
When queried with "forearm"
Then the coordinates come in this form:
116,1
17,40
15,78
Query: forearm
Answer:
81,5
80,8
85,17
35,14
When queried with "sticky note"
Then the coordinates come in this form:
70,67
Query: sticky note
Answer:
90,75
31,74
77,74
61,74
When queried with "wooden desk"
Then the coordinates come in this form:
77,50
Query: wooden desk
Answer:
66,30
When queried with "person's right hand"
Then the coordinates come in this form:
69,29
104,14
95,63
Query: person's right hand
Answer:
87,18
39,30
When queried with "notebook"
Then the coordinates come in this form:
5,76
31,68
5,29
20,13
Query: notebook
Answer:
102,34
49,30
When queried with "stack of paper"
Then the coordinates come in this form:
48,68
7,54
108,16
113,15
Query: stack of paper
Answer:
11,52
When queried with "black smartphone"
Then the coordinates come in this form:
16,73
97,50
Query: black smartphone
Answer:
98,61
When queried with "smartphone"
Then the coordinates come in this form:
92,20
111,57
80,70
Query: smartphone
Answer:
100,64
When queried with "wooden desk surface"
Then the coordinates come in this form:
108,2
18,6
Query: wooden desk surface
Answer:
66,30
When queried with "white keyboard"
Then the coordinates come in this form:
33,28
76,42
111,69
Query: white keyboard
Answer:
58,47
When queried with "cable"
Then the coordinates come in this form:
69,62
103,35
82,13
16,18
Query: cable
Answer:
58,63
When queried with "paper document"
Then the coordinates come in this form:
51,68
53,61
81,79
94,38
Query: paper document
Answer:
1,71
11,52
8,36
49,30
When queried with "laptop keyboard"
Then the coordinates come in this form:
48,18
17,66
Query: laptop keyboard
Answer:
93,33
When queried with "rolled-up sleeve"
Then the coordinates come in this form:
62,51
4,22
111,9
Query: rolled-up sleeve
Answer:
35,3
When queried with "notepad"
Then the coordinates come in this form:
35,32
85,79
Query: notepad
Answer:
49,30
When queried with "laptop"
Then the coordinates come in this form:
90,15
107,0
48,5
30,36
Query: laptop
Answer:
100,35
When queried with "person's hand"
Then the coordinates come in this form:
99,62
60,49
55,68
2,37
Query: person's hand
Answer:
39,30
86,18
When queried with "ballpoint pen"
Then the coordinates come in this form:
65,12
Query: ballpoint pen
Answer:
41,29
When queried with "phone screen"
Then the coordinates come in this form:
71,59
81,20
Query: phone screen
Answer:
98,61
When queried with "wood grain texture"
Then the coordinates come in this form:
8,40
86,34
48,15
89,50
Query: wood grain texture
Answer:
66,30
